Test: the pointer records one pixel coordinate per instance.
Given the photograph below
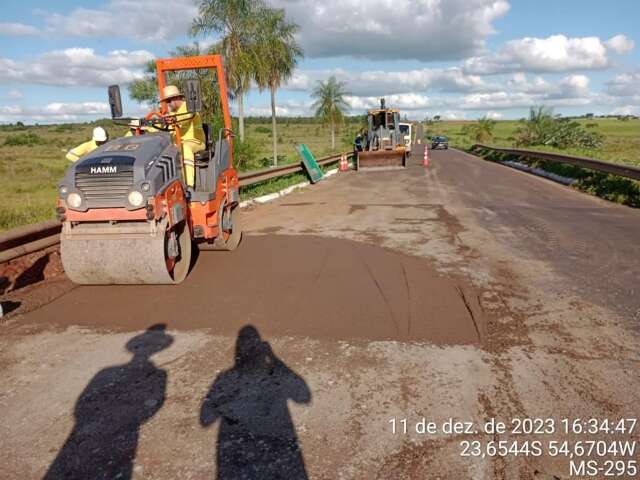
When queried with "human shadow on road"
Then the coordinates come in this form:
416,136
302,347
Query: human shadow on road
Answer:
257,438
110,412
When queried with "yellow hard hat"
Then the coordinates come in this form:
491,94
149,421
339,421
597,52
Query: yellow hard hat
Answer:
169,92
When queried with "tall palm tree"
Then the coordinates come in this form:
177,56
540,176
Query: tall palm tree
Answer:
277,56
234,21
330,104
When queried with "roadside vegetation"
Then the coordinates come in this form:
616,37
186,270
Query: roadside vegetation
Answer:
611,139
619,137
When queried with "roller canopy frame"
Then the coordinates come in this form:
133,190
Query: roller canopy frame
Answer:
164,65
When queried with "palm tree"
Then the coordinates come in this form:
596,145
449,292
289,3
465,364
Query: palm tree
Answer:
234,21
277,56
484,129
330,104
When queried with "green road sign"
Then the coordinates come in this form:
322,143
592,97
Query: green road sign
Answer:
313,169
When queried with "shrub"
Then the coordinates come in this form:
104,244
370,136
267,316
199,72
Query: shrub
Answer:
261,129
542,128
24,139
246,155
64,127
481,131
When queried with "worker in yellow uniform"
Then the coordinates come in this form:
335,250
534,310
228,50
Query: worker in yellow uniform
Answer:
191,132
98,138
134,125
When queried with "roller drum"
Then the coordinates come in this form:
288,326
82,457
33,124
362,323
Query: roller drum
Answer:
107,255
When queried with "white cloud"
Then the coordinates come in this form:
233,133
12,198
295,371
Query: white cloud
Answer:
146,20
76,67
574,86
381,82
624,85
556,53
521,83
403,101
494,115
626,110
14,29
54,112
400,29
265,111
83,108
620,44
14,94
497,101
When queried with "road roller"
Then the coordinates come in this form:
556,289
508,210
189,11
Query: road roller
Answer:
384,145
128,215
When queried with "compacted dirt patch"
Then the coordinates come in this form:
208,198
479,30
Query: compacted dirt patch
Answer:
295,286
31,281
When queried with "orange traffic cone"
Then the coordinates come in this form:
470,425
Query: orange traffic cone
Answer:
425,159
344,165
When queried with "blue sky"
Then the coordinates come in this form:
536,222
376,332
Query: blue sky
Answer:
454,58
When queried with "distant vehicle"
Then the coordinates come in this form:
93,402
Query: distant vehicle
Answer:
439,142
405,131
383,145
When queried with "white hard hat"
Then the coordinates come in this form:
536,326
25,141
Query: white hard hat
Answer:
99,134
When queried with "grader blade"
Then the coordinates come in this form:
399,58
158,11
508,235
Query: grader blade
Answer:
381,160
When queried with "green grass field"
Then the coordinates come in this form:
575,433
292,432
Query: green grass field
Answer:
32,160
622,138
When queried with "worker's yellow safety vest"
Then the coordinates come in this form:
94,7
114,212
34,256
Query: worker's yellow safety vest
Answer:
191,126
81,150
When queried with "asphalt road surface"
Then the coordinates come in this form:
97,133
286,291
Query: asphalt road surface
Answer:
465,291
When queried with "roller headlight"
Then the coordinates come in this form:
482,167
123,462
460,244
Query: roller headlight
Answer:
135,198
63,189
74,200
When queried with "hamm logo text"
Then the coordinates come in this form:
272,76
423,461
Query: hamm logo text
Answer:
104,169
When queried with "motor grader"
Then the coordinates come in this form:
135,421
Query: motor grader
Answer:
128,217
384,146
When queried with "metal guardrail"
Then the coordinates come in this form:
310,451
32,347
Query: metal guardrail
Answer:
251,178
32,238
598,165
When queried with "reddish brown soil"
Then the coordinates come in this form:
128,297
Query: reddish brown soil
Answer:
292,286
31,281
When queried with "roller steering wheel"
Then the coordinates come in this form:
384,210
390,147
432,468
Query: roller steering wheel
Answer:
161,124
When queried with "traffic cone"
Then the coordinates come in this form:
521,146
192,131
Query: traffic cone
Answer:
344,165
425,159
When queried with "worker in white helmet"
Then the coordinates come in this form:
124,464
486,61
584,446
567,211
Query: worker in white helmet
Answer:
134,127
191,132
98,138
